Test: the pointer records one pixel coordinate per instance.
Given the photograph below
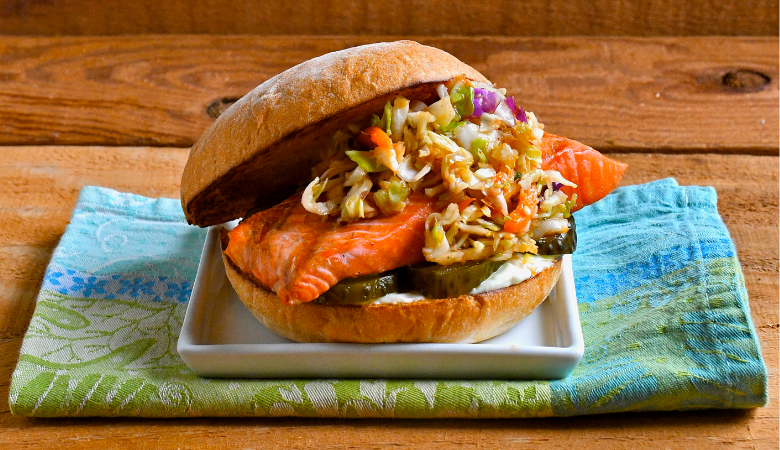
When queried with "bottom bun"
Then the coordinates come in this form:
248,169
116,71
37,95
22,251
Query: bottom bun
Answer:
463,319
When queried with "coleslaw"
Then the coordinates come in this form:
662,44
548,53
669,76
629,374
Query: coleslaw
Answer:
473,151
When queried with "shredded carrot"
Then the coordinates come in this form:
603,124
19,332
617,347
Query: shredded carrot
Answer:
500,179
464,203
375,136
520,219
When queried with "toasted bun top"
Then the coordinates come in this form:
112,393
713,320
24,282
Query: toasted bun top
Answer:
264,146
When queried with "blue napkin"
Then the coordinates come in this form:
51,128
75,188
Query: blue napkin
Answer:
662,303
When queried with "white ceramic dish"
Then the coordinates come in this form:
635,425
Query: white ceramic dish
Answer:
220,338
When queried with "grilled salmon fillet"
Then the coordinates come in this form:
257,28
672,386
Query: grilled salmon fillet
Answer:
594,174
299,255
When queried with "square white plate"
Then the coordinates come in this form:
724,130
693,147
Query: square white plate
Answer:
220,338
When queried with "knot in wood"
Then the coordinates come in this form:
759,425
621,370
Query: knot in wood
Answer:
217,107
745,80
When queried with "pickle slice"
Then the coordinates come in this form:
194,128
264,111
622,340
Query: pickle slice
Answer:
559,244
360,289
435,281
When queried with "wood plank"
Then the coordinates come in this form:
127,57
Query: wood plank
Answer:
432,17
707,94
39,186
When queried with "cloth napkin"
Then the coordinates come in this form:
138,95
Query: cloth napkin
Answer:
662,302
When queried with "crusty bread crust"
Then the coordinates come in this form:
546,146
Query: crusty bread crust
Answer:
267,142
465,319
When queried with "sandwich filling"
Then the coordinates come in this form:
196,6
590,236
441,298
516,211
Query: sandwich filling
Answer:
474,151
513,271
467,179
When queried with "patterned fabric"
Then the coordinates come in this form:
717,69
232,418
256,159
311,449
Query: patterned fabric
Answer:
662,302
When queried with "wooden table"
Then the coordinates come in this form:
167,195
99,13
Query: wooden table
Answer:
121,112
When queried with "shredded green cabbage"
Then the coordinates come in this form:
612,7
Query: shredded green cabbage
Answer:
387,118
478,148
391,198
366,161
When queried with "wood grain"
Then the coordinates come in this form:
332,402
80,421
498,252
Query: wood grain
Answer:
39,187
430,17
712,94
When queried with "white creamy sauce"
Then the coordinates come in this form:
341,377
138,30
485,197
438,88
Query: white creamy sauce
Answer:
397,297
514,271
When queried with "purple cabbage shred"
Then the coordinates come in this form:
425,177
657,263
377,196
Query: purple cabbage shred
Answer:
555,186
484,102
518,111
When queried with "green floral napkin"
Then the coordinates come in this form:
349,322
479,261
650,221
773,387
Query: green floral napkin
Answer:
662,302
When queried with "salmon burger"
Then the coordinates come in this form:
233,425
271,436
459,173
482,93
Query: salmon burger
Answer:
390,193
